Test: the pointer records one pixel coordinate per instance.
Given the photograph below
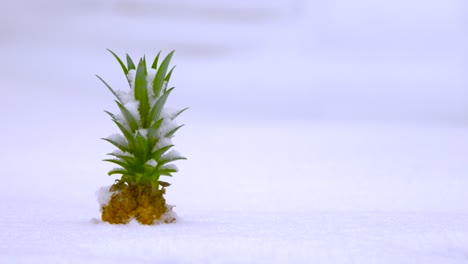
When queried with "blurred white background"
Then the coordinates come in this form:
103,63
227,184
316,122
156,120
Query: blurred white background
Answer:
284,59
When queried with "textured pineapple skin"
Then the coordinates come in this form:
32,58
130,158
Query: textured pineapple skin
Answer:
143,203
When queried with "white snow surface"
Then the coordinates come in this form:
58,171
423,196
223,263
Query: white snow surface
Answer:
375,194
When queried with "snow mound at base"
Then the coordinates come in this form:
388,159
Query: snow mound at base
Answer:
104,195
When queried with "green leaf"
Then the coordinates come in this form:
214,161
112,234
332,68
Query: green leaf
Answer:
172,132
119,146
152,131
117,155
141,92
155,184
128,117
117,171
110,114
120,62
155,62
151,173
164,184
121,163
134,165
110,89
130,64
127,178
138,177
174,116
166,161
144,63
161,74
158,106
159,152
167,172
152,134
127,135
141,147
125,132
168,76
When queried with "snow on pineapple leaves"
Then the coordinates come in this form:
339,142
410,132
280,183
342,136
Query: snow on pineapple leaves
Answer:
147,126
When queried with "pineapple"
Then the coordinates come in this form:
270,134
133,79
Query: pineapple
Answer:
144,148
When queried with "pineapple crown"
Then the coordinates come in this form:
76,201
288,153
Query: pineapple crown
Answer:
144,146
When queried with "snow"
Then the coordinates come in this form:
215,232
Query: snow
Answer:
239,238
132,107
143,131
121,153
167,124
152,162
164,86
150,81
170,167
118,138
131,75
375,194
126,96
104,195
163,142
173,154
313,136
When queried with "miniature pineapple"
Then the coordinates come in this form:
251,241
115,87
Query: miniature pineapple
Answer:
144,148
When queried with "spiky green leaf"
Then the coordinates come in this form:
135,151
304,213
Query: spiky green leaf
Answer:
110,88
155,112
117,171
164,184
121,163
164,161
130,64
141,92
127,135
151,173
132,164
138,177
118,145
124,68
110,114
172,132
176,114
141,147
123,129
167,172
155,62
159,152
128,159
153,133
132,122
168,76
153,130
161,74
